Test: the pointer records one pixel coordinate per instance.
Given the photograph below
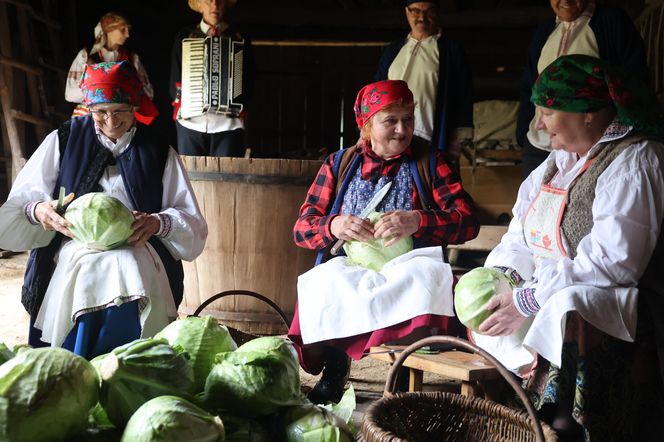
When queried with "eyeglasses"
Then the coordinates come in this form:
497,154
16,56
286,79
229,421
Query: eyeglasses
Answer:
105,115
431,12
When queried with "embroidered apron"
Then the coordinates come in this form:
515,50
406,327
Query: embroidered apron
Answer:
544,333
541,226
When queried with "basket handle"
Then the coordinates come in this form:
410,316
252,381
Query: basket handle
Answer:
458,342
265,299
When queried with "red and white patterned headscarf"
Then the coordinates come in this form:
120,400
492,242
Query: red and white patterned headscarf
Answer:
376,96
116,83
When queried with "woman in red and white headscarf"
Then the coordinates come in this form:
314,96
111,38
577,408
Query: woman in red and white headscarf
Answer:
118,295
111,33
344,309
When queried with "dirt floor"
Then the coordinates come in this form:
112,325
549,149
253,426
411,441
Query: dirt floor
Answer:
367,376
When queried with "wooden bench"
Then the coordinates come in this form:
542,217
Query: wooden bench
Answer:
477,376
487,238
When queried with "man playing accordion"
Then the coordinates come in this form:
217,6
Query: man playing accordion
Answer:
206,127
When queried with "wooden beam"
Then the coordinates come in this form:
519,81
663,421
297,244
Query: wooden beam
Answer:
19,65
36,15
15,151
19,115
387,18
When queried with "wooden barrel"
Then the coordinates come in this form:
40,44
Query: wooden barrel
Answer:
250,206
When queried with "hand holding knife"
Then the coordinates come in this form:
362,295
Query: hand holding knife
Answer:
370,207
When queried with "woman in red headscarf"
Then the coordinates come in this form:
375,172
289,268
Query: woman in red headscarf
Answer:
86,300
345,309
111,33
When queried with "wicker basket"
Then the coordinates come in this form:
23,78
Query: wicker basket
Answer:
239,336
443,416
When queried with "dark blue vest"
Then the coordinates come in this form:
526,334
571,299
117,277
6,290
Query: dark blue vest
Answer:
141,166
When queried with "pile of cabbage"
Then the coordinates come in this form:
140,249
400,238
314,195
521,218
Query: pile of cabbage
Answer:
99,221
189,383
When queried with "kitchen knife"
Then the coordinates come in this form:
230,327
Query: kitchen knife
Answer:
60,209
370,207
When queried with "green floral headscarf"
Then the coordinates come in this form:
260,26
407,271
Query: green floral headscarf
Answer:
580,83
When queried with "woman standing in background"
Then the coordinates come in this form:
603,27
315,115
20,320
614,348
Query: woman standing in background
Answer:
111,33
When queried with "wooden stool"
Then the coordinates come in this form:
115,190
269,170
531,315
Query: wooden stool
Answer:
478,378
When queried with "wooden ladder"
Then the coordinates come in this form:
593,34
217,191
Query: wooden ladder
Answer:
32,76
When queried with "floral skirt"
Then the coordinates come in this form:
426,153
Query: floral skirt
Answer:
615,386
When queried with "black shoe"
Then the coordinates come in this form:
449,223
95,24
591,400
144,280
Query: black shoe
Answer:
330,387
326,391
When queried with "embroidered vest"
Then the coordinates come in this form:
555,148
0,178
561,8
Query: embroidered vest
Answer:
577,220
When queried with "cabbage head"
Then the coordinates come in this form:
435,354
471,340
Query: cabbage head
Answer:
373,254
202,338
312,422
474,290
171,418
45,395
5,353
99,221
257,379
141,370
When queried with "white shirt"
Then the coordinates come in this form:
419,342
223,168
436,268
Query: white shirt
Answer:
85,279
575,37
211,122
417,63
627,215
36,181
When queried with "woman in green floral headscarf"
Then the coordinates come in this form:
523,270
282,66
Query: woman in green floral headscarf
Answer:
583,247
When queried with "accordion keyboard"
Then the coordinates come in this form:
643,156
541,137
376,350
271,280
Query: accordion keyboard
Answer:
194,59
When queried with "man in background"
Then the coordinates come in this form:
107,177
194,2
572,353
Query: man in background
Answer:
210,134
436,70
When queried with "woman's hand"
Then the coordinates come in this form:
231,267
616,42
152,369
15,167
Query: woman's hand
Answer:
396,225
145,225
505,318
351,227
50,219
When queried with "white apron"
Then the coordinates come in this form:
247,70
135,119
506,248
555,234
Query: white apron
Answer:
337,300
86,280
612,310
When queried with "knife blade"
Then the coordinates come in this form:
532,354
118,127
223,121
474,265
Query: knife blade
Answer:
371,205
61,201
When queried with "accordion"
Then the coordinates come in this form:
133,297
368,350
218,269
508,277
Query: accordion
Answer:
211,76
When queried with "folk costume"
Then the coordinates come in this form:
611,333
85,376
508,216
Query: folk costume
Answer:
585,241
99,54
420,282
600,31
211,134
92,301
437,71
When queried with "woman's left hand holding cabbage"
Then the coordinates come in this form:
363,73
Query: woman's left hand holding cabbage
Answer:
505,318
144,227
392,226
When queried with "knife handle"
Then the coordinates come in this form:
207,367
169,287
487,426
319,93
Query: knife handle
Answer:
337,245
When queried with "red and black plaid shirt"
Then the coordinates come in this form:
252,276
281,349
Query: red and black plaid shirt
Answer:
453,222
